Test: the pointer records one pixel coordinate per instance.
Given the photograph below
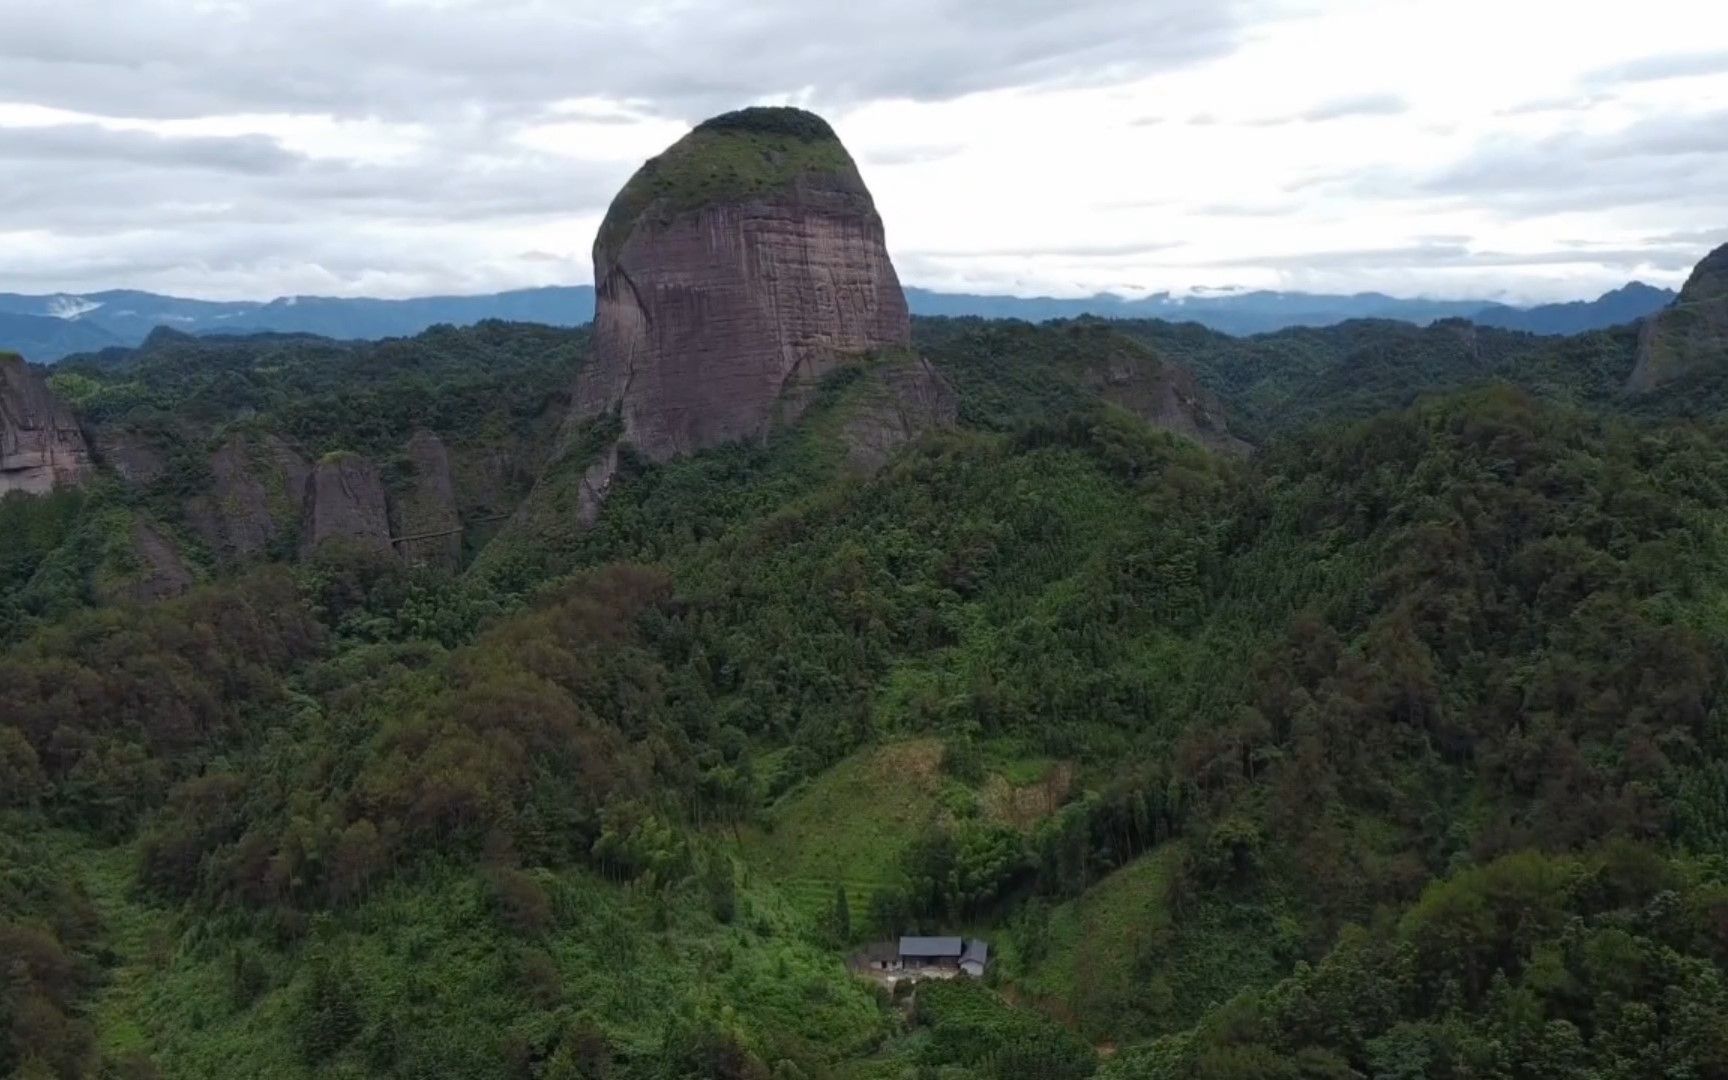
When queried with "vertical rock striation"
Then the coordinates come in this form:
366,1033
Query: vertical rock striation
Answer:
41,444
732,272
345,502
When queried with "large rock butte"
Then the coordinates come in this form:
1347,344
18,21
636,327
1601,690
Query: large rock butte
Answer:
41,444
345,501
256,498
732,272
1690,334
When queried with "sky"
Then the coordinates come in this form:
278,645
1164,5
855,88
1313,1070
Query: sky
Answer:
1521,150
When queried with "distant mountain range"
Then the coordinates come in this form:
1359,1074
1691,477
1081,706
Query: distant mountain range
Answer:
47,328
1262,312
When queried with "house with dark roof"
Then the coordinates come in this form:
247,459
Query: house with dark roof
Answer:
975,958
931,951
931,956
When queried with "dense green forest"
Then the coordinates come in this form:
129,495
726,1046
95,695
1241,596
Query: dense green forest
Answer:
1394,750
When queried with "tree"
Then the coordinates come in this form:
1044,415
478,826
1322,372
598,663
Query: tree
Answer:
840,916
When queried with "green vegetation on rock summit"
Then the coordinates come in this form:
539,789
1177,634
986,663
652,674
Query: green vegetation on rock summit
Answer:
731,158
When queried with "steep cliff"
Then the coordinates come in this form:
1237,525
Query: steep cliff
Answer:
732,272
257,493
345,501
1689,335
41,444
424,511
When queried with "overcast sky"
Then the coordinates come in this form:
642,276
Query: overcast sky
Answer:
1517,149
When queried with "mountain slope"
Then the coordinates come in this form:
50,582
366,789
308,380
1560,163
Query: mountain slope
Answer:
44,338
1627,304
1689,337
89,322
128,316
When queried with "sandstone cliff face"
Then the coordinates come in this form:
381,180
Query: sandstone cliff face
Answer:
425,514
1689,335
901,398
721,303
257,494
41,444
345,501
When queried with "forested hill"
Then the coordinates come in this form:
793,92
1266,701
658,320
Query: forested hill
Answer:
1392,749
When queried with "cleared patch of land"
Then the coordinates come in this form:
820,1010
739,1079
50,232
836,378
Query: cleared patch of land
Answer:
849,825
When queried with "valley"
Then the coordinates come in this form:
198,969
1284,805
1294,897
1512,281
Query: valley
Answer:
530,701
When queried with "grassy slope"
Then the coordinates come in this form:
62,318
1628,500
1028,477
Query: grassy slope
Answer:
1091,942
849,825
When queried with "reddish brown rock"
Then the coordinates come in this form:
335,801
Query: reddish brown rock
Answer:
41,445
732,273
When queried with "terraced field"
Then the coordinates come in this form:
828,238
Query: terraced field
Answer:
848,826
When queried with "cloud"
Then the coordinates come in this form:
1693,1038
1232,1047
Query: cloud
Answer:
1265,208
916,154
1658,68
64,177
1360,105
419,58
1657,159
1440,253
251,147
1105,250
1338,108
1674,158
1343,108
93,143
186,122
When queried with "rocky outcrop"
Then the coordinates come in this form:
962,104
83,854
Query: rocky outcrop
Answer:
257,494
1165,395
425,516
1689,335
130,455
41,444
153,568
595,481
732,273
345,502
898,399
